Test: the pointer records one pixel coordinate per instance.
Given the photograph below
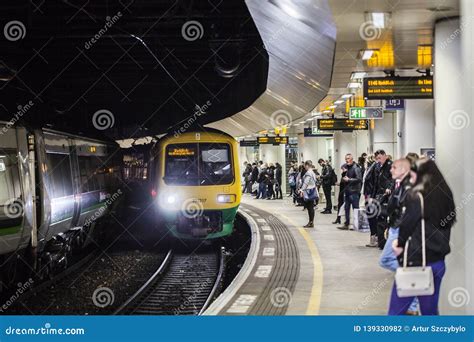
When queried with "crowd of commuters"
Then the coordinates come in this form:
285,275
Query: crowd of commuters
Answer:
408,205
262,179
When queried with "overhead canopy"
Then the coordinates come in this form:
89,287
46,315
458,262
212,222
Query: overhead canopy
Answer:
299,37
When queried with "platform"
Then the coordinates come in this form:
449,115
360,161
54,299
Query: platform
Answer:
298,271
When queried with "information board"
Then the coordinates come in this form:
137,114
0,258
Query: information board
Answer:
342,125
248,143
386,88
315,133
277,140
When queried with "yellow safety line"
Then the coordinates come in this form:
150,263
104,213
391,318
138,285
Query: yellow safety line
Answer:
317,288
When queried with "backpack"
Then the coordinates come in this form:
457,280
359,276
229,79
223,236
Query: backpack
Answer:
333,177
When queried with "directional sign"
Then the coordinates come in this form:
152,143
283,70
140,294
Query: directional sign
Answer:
395,104
364,113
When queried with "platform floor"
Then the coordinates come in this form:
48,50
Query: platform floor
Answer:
337,275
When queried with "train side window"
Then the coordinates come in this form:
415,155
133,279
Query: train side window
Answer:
9,177
60,174
10,190
84,167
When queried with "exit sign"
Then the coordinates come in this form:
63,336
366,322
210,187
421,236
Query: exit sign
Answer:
364,113
357,113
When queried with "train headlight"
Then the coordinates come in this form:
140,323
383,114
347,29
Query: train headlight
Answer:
171,199
226,198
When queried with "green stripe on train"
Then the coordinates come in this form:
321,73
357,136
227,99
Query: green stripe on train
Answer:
10,230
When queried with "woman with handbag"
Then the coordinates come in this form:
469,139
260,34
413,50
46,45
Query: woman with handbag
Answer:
308,192
423,241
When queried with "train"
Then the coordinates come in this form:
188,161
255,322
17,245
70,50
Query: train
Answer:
196,183
54,188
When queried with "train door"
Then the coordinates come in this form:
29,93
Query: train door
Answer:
59,185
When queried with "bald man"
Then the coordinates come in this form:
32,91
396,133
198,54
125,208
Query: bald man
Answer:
402,174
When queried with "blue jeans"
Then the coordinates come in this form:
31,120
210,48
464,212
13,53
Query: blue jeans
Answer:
389,261
350,199
262,190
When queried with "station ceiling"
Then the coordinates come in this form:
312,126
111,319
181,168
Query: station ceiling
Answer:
144,66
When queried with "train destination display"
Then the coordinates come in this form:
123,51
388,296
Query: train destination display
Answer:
342,125
386,88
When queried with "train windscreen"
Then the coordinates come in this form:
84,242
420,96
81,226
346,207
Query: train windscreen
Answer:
198,164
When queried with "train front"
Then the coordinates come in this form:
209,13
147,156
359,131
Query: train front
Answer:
199,188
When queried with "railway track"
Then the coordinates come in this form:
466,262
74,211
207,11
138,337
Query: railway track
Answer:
184,284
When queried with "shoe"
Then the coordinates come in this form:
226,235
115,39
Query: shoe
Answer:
373,242
412,313
326,212
309,225
338,221
344,227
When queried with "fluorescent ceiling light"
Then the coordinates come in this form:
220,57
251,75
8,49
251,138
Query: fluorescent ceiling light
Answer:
357,75
366,54
315,113
309,120
346,96
332,107
338,102
354,85
326,111
378,19
301,122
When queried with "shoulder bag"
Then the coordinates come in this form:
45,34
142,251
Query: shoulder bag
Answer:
415,281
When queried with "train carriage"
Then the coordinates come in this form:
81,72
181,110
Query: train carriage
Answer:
54,187
197,183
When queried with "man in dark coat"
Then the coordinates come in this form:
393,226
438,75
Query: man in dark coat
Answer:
327,174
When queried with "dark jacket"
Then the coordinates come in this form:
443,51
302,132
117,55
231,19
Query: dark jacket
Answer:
262,176
254,175
369,179
270,175
278,175
247,172
437,237
382,180
396,202
354,184
326,176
